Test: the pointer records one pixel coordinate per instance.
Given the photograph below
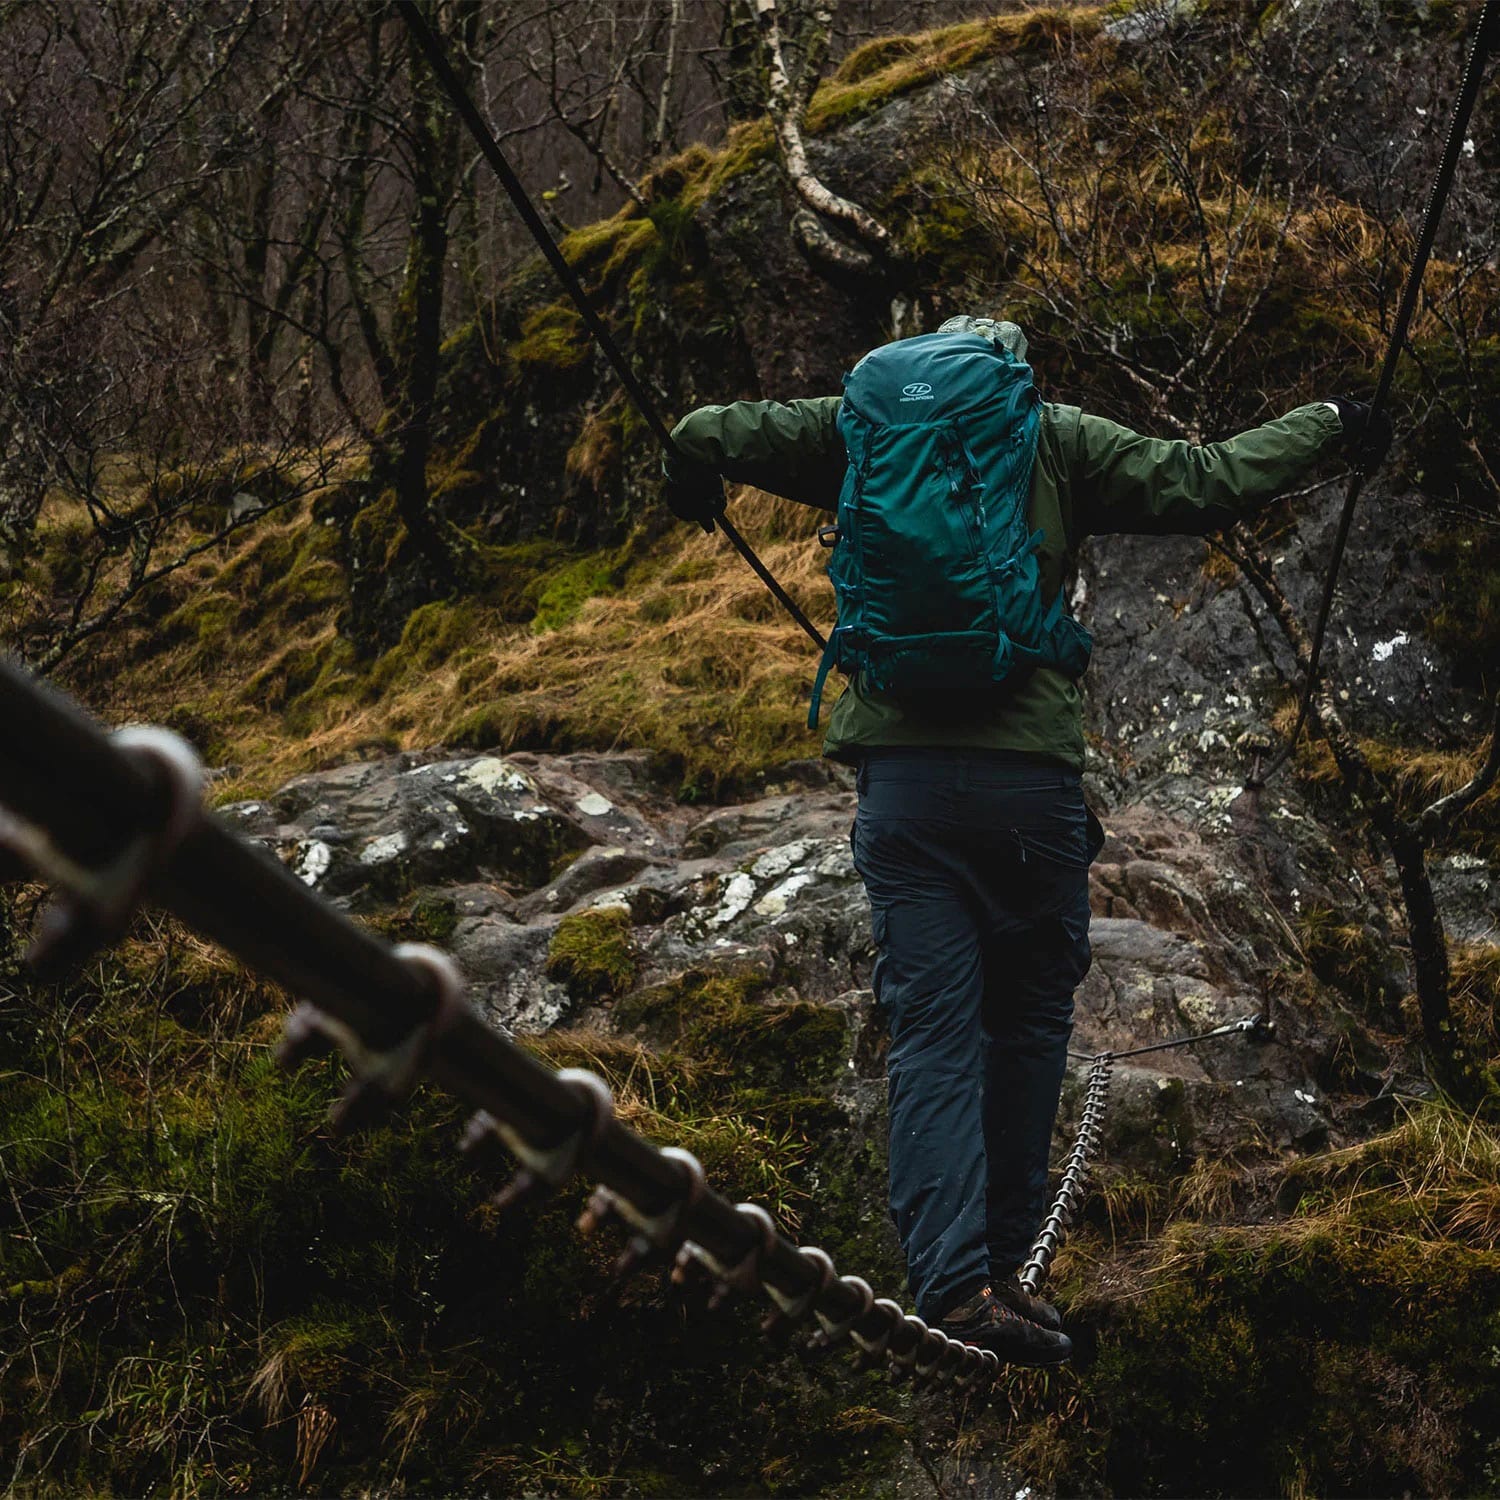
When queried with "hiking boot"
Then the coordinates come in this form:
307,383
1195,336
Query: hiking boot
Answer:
987,1323
1015,1296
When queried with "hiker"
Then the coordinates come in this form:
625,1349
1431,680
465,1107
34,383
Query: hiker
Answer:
972,836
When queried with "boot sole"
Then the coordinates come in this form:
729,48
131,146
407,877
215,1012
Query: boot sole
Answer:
1032,1358
1041,1359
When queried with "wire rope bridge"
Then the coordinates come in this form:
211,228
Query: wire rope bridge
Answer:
111,820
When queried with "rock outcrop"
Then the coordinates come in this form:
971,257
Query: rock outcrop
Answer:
1187,933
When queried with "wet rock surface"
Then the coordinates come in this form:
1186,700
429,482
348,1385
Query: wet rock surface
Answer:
1192,896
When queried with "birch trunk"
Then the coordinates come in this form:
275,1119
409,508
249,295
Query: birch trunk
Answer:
786,102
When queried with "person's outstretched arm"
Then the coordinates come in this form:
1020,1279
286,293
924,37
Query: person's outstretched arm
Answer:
1122,481
788,448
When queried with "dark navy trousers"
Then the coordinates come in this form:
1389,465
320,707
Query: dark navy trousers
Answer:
976,867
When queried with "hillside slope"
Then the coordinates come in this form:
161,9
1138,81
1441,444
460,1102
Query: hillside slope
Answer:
1285,1281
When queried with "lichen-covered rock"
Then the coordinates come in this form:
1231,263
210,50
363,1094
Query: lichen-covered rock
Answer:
570,885
378,828
505,964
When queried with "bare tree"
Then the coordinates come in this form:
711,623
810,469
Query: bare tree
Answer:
93,177
1410,838
789,91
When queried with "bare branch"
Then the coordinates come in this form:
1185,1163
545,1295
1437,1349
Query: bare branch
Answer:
1440,816
786,104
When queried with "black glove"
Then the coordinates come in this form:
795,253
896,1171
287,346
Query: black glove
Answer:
1367,434
693,491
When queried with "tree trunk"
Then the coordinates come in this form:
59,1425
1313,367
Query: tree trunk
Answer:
1451,1060
416,337
786,103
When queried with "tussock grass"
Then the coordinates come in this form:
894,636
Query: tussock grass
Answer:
1416,774
670,645
1434,1178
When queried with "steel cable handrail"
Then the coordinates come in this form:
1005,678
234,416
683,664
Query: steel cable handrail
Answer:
114,819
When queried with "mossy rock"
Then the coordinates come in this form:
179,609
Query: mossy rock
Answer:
593,953
428,919
762,1048
553,342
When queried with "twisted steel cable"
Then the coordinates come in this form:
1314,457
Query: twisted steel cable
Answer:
111,820
1075,1174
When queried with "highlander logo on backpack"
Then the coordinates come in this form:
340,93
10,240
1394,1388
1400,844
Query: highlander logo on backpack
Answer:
938,589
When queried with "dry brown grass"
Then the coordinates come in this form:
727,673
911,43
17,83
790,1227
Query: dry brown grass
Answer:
1416,774
1434,1178
691,660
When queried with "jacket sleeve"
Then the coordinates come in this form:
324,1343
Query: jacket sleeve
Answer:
1121,481
792,448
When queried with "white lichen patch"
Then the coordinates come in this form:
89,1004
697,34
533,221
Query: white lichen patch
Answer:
1383,650
592,805
775,863
1218,804
491,774
381,850
734,897
617,899
1466,862
310,860
775,901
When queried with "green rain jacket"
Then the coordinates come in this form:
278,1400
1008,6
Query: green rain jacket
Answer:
1091,476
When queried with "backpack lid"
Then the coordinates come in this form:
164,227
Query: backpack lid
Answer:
935,377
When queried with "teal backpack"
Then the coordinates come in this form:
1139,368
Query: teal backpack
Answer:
935,570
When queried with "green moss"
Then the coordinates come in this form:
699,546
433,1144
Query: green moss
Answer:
600,252
553,341
204,619
882,69
765,1050
433,635
593,954
1357,1401
875,57
562,593
428,919
171,1178
746,147
951,246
